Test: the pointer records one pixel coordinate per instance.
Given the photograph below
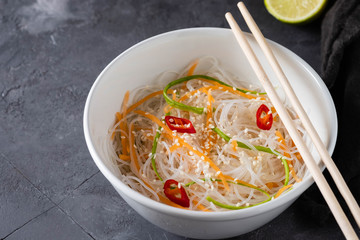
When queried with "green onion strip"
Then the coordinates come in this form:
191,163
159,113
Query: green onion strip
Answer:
198,110
219,204
153,152
231,182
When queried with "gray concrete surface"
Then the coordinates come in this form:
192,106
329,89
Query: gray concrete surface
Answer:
50,54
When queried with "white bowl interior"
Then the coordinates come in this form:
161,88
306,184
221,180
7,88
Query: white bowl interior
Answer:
142,64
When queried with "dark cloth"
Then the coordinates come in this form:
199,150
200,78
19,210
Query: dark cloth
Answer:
341,72
340,42
340,48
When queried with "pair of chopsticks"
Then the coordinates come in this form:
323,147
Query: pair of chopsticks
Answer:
315,171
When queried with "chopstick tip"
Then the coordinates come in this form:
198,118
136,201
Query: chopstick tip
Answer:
229,17
241,7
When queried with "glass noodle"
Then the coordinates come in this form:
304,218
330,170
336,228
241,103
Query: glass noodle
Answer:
229,163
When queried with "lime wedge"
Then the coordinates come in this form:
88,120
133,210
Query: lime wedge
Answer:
295,11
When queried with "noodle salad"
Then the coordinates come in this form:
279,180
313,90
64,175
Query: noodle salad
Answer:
202,142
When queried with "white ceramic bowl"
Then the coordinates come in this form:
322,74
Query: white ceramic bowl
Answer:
142,63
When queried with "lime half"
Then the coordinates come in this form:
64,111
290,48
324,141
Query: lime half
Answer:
295,11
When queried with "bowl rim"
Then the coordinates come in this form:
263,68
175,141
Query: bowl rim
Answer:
206,216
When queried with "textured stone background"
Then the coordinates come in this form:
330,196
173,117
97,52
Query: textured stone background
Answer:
51,51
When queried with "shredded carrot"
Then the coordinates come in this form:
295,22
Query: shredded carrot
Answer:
297,155
271,185
174,147
192,68
283,146
286,154
210,98
234,145
209,113
118,117
141,101
185,144
273,110
113,135
189,94
124,157
293,173
174,95
167,108
150,138
232,89
281,190
125,102
123,125
226,88
134,159
168,202
151,95
200,206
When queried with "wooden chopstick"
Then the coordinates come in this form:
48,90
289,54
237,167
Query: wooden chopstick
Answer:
315,171
324,154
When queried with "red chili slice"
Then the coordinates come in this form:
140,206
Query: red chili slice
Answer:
264,118
181,125
176,194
